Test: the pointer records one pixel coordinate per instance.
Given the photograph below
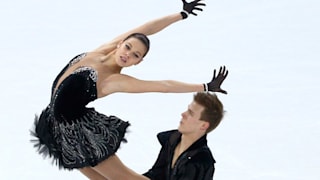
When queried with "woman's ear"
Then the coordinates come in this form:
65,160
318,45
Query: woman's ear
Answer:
139,61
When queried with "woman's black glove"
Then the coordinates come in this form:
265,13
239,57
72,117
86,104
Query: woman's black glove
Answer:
216,82
189,7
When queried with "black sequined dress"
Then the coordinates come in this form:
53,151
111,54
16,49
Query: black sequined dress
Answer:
74,135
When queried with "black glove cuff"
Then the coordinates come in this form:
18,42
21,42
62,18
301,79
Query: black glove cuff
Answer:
205,87
184,14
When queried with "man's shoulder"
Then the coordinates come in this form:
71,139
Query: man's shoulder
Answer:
202,154
164,136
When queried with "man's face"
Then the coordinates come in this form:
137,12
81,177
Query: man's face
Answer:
190,122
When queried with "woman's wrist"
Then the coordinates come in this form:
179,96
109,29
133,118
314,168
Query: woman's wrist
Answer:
184,14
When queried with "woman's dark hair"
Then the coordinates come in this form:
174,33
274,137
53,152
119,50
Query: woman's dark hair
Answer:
143,38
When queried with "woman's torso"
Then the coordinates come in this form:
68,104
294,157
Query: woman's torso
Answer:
93,60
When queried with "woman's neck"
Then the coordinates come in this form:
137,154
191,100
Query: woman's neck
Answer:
110,63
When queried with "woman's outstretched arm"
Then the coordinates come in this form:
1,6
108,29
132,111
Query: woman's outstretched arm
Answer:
124,83
156,25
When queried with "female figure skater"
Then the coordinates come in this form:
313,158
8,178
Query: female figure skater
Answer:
78,137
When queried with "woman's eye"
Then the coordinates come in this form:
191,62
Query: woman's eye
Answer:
136,55
127,47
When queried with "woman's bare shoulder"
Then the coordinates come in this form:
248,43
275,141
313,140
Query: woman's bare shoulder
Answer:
106,48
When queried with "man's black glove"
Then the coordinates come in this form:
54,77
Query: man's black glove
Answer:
215,83
188,8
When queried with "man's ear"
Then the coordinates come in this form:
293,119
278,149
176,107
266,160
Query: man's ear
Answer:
205,125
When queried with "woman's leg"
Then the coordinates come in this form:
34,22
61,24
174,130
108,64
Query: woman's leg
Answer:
114,169
92,174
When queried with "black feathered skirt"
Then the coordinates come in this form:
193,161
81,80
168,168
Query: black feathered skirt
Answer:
85,141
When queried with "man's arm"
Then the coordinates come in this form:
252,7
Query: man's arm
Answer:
209,173
160,167
158,170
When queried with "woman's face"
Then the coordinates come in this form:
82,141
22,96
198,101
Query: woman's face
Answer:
130,52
